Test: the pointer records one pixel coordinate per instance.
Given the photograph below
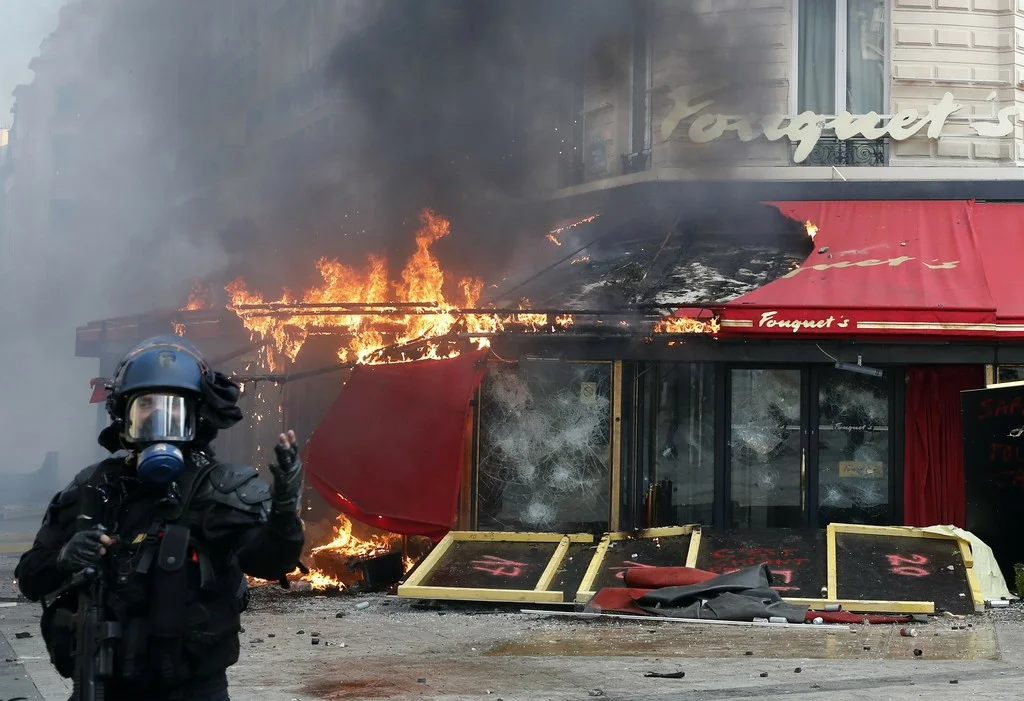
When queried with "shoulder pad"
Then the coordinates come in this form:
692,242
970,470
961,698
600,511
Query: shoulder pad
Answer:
86,476
227,477
91,475
239,487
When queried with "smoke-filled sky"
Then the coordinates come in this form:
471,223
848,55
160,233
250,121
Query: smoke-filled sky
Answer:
437,102
23,26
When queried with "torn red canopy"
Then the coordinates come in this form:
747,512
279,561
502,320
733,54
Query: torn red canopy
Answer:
878,267
389,452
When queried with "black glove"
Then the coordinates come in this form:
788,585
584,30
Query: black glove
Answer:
287,489
83,550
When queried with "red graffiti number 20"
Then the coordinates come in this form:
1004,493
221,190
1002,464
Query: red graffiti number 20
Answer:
908,566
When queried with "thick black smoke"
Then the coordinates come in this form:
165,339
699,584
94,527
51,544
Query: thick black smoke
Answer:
444,87
157,182
451,94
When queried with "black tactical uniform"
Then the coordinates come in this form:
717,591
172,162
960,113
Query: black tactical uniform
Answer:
174,574
180,623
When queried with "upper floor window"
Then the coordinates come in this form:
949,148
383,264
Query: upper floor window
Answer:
841,56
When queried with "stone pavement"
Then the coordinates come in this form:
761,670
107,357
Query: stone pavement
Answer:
392,650
14,679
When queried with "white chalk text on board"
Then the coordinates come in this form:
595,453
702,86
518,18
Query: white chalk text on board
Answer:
805,129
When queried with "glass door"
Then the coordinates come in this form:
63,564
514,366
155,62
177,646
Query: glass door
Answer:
852,448
766,452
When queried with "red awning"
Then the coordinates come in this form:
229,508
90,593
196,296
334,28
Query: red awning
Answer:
878,268
1000,237
389,452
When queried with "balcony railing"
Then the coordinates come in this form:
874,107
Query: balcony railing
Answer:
636,162
830,151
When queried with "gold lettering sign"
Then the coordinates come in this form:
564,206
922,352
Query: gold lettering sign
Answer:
805,129
871,262
771,320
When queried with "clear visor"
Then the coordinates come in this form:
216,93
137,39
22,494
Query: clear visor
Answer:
159,417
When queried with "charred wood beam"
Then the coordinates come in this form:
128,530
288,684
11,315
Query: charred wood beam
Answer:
300,310
331,305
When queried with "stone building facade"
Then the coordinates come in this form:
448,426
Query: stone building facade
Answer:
897,58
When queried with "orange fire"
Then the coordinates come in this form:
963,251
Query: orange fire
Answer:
811,229
581,222
197,298
424,308
679,325
553,239
343,546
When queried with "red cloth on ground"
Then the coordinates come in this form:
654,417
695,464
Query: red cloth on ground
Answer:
389,453
618,600
658,577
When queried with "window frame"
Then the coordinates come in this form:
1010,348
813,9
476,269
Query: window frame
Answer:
648,83
842,41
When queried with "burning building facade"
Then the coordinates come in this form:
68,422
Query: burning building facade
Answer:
746,289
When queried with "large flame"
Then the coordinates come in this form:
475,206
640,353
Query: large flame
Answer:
427,305
422,283
680,325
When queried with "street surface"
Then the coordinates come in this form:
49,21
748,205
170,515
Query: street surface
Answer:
397,650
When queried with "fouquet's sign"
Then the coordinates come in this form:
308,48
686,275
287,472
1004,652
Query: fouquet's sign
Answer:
805,129
772,320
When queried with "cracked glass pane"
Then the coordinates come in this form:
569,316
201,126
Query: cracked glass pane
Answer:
765,448
544,447
1010,373
682,487
853,448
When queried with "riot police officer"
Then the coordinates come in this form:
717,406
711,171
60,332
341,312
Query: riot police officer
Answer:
172,531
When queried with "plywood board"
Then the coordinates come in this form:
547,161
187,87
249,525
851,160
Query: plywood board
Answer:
796,557
619,552
901,565
490,566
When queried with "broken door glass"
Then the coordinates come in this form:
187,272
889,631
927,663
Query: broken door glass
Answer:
544,447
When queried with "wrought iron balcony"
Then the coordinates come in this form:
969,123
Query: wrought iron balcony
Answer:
636,162
830,151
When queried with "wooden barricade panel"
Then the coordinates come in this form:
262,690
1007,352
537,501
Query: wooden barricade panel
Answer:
796,557
674,546
512,567
901,565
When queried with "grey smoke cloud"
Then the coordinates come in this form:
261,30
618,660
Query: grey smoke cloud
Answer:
436,105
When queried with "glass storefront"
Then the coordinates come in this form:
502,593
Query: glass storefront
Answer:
731,446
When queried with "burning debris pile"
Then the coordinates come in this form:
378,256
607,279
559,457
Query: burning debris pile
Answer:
349,556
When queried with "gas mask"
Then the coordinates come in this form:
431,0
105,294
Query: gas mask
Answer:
158,424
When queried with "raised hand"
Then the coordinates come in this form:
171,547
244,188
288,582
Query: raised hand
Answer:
287,471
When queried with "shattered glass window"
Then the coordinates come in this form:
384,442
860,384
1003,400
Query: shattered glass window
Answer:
544,447
853,448
1010,373
682,487
765,448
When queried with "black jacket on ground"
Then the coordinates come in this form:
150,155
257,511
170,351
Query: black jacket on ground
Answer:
180,624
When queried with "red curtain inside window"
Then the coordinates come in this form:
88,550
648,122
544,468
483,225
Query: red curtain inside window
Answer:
389,452
933,465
